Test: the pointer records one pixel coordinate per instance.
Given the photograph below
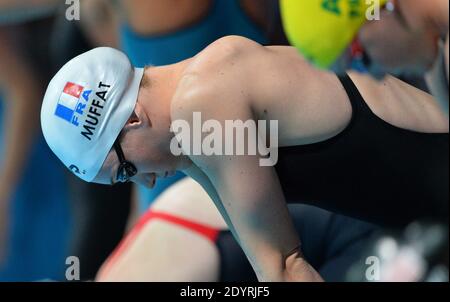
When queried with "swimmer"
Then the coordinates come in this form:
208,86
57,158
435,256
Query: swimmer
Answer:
412,37
377,151
406,38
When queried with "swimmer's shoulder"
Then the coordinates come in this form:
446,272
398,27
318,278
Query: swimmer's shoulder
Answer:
215,79
227,52
230,47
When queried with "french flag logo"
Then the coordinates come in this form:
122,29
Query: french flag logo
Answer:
68,102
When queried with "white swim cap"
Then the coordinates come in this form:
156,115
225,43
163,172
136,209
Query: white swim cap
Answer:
86,105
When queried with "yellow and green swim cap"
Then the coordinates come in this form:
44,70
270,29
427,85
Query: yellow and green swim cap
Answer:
322,29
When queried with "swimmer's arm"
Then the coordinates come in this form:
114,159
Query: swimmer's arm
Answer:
249,196
195,173
257,213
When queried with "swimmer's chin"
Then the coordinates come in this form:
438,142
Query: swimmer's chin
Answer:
150,184
146,180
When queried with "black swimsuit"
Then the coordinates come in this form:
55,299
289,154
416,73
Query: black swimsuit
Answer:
372,170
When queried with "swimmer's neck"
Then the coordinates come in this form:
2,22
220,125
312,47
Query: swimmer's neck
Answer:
162,81
165,79
156,99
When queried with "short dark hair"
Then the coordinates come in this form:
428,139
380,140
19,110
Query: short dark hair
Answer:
145,82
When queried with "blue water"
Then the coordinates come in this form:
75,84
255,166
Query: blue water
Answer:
39,218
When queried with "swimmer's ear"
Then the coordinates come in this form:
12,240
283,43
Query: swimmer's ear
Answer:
133,122
138,118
